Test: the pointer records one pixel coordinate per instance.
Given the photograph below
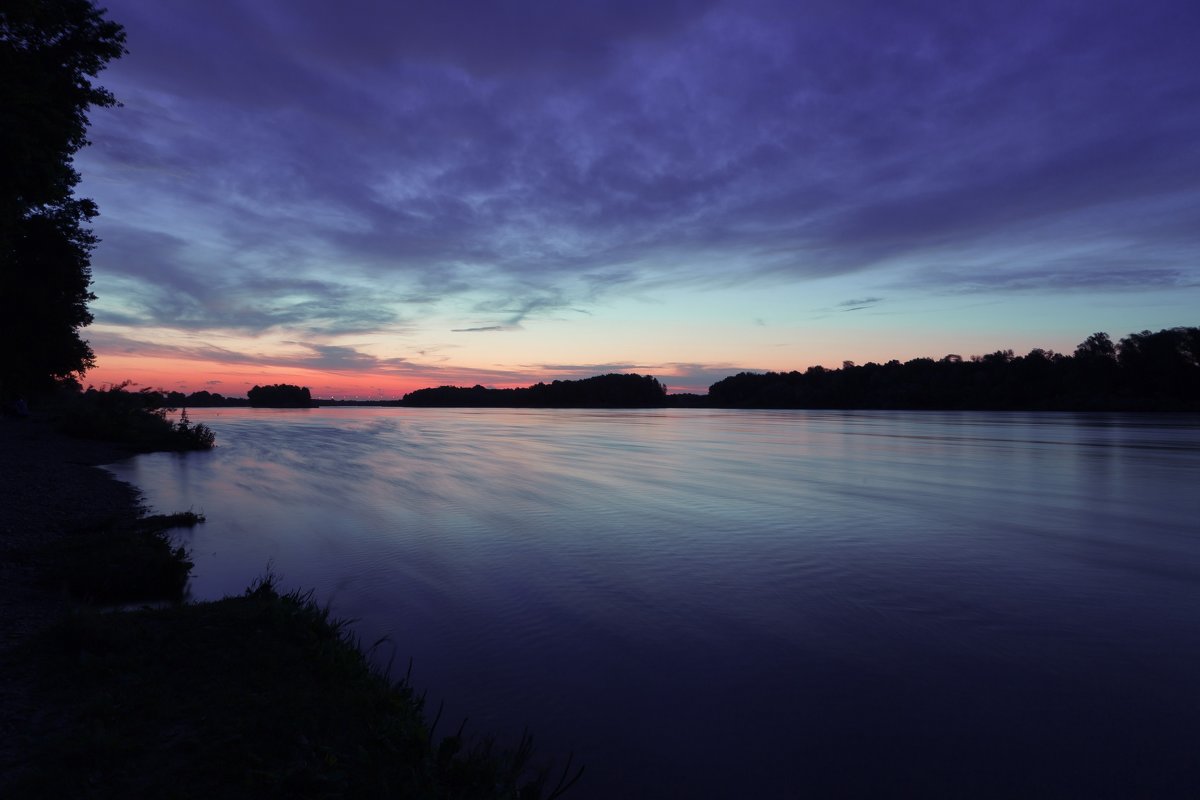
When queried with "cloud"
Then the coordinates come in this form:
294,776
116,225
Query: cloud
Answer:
342,170
161,279
1133,279
858,305
678,377
332,359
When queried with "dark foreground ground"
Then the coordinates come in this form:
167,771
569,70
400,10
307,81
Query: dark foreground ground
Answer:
48,489
260,695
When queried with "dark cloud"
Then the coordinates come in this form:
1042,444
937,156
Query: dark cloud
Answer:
321,357
584,370
1131,279
515,310
334,168
175,286
677,376
858,305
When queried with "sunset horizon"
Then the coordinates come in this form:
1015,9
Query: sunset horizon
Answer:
371,200
164,374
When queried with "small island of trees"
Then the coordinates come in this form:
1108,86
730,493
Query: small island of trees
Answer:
602,391
280,395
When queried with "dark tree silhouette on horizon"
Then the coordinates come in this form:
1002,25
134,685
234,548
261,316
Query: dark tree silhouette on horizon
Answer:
280,395
50,52
602,391
1142,372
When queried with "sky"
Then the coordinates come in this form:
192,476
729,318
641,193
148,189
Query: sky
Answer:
366,198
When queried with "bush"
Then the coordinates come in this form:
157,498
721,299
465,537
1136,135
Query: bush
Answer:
262,695
132,418
123,561
197,437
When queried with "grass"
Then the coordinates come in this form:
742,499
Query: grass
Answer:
258,696
122,561
262,695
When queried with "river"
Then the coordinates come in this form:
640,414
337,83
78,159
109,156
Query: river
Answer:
725,604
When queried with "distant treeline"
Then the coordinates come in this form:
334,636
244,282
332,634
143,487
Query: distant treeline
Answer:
602,391
279,395
201,399
1143,372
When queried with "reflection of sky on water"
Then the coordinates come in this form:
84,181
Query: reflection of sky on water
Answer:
659,589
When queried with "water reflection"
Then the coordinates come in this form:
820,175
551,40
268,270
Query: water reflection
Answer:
730,604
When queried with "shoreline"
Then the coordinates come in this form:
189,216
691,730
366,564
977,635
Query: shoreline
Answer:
52,486
257,695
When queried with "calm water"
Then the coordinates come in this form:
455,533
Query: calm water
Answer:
748,604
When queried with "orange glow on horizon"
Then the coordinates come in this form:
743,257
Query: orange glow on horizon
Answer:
486,367
233,380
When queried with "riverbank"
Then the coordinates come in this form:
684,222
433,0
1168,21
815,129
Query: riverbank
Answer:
260,695
51,488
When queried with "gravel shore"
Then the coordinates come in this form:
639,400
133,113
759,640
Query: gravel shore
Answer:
50,486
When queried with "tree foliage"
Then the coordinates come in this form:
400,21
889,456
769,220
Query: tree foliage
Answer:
1143,372
280,395
603,391
138,419
50,52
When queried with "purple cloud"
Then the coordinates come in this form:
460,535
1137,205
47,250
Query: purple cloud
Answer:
336,169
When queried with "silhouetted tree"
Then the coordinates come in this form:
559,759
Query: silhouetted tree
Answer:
280,395
1094,372
1161,369
1146,371
1097,346
49,52
602,391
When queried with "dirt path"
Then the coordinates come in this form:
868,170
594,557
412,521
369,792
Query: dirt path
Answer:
49,486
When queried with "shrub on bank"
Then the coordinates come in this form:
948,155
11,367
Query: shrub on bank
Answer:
262,695
132,418
123,561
